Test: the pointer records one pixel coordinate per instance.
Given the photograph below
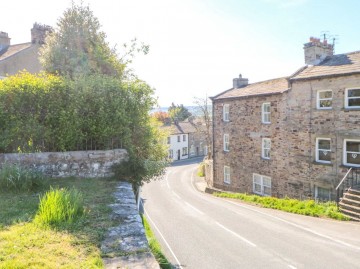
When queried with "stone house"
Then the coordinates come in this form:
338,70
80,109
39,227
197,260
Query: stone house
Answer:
186,140
295,136
17,57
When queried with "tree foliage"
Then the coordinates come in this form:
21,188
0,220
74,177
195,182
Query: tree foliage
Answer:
178,112
161,116
78,47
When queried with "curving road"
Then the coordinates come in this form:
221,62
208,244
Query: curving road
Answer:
198,230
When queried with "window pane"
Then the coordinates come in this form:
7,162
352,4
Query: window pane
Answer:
257,188
354,102
266,107
257,179
267,143
267,181
326,103
323,194
353,146
354,93
353,158
324,155
323,144
327,94
266,153
267,191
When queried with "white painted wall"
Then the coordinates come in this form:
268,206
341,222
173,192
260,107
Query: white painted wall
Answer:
175,146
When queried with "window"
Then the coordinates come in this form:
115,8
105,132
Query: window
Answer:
226,112
261,185
226,142
265,113
184,137
265,148
184,151
352,98
178,138
323,150
322,194
352,152
168,139
324,99
227,174
171,154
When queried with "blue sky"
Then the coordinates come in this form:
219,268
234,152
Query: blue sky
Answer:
198,47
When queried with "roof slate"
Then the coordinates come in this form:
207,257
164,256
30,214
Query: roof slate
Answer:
13,49
183,127
273,86
340,64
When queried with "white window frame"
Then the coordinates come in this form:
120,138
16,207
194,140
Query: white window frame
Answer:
261,184
317,193
318,99
265,114
227,174
347,98
264,149
317,149
226,112
226,142
353,152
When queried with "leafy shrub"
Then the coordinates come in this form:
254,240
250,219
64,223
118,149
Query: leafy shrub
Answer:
201,170
60,206
17,178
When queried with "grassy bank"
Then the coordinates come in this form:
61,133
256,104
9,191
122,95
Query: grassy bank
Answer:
25,244
305,207
155,246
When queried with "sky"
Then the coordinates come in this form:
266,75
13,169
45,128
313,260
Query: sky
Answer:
198,47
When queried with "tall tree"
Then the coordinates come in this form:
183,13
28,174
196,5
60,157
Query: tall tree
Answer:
78,46
178,112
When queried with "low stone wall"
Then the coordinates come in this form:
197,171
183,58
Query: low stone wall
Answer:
91,164
209,178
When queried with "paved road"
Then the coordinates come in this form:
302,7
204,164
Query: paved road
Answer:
197,230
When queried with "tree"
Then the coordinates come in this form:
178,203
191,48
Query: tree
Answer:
178,112
78,46
161,116
205,113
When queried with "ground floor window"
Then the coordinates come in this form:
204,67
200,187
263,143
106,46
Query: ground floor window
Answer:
184,151
322,194
352,152
261,185
227,174
171,154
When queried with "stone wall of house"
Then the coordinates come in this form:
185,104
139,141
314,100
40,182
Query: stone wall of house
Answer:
83,164
295,124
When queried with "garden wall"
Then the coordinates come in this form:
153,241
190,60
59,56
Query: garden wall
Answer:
91,164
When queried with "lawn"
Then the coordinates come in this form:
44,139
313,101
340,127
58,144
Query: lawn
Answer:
25,244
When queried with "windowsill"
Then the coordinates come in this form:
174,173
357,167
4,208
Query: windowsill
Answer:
350,165
321,163
266,123
226,151
265,159
228,183
351,108
320,109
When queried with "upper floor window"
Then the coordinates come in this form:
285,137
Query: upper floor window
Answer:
226,142
265,113
184,137
265,148
168,139
261,185
178,138
324,99
352,152
323,150
352,98
226,112
227,174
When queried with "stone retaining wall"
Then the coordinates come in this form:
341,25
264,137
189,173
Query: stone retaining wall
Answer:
91,164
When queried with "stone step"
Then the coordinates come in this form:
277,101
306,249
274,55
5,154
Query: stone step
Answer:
353,208
352,196
350,214
354,191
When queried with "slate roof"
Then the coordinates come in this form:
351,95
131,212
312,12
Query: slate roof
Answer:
182,127
340,64
13,49
273,86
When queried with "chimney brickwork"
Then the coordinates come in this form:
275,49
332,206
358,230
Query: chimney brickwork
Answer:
316,50
240,82
39,32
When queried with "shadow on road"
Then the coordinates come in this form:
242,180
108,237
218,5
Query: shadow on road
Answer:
187,161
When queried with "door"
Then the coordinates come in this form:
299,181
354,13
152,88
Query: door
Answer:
178,154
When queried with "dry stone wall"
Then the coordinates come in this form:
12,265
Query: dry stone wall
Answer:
82,164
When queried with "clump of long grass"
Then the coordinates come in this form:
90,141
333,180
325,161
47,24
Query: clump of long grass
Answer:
302,207
60,206
17,178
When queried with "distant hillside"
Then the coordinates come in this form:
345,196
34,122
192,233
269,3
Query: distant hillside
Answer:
194,110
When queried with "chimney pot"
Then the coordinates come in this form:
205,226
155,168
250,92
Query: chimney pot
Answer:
240,82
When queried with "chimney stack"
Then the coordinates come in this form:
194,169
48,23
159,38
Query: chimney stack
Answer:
4,41
240,82
39,32
316,50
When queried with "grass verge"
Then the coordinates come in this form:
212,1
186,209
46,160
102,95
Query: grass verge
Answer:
306,207
155,246
25,244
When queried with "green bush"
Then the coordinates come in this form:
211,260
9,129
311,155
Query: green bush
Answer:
17,178
60,206
201,170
